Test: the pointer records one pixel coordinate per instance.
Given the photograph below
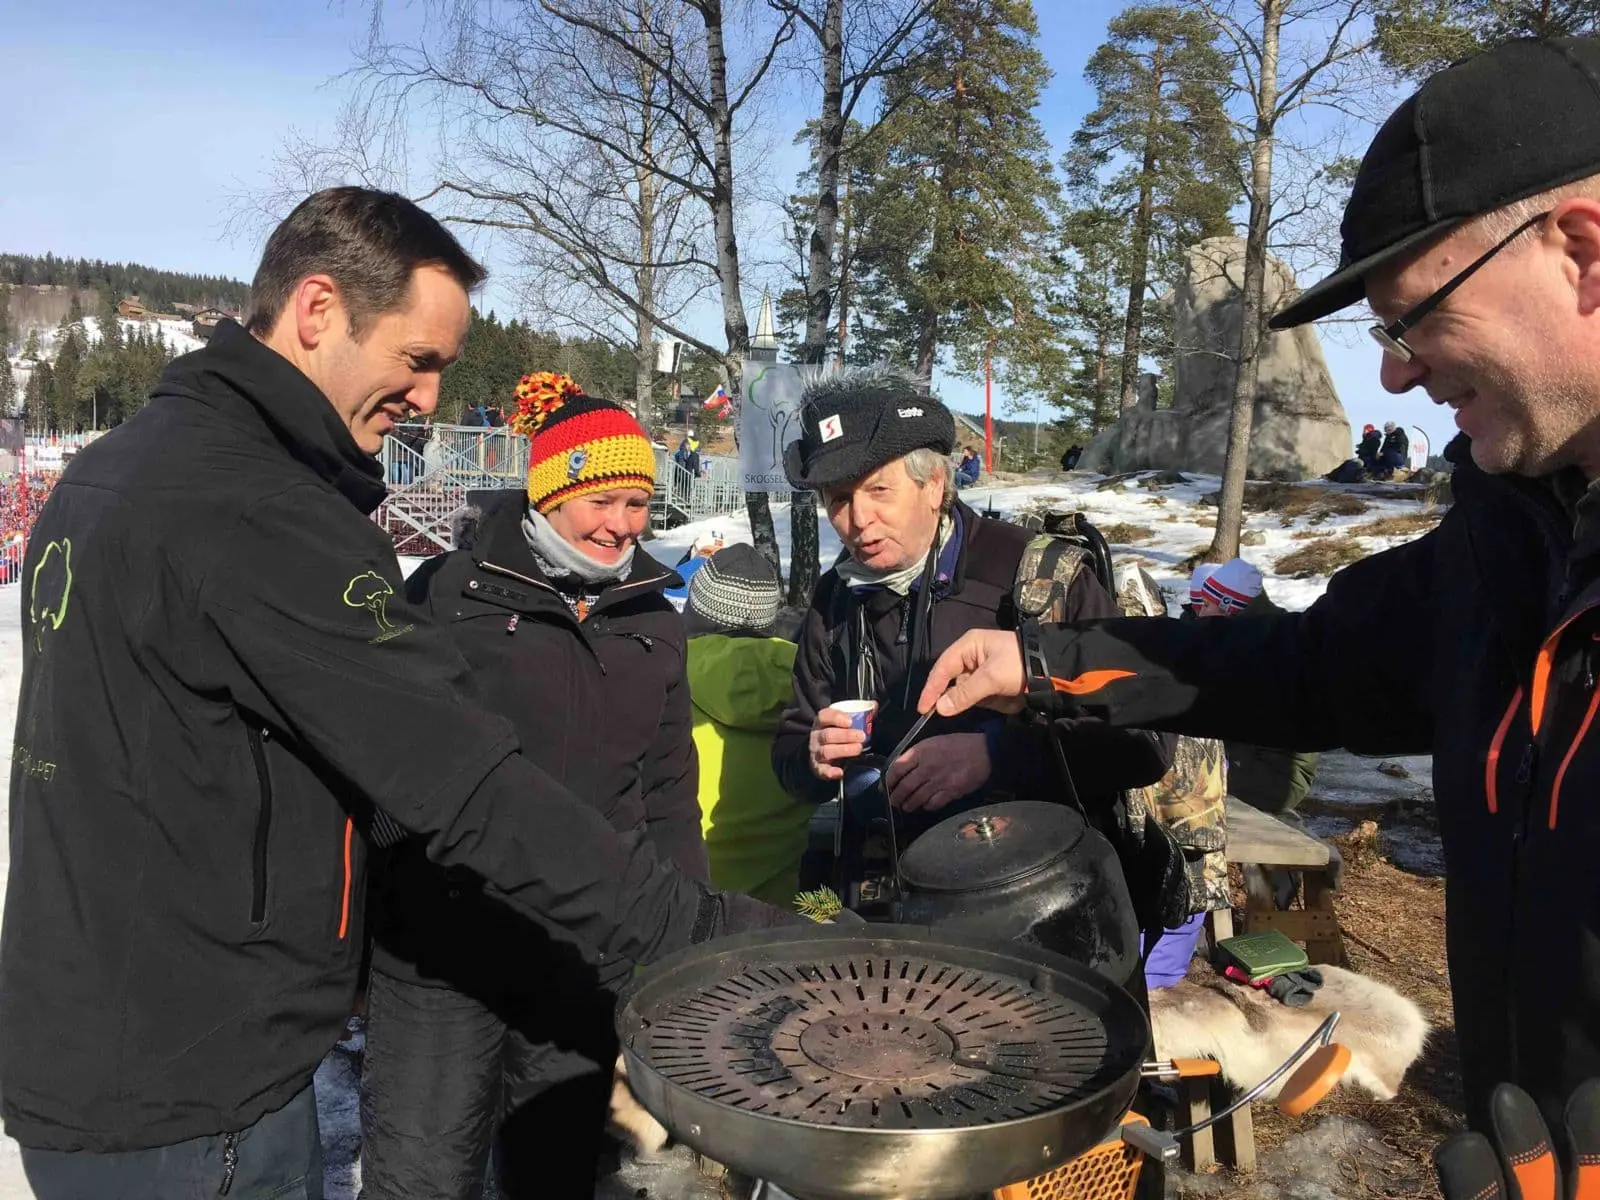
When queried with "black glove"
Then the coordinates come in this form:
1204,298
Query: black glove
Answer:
1520,1164
1295,988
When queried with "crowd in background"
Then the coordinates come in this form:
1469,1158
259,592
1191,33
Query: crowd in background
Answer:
21,499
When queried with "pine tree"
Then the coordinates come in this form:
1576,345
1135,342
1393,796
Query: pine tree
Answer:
1090,306
36,398
8,333
953,229
8,388
1159,151
109,322
30,349
1419,37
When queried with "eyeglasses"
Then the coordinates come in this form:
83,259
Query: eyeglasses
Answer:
1391,336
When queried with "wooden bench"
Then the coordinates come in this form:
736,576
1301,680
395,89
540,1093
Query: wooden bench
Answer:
1256,839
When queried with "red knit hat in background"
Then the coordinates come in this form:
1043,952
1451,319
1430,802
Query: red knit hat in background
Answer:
580,444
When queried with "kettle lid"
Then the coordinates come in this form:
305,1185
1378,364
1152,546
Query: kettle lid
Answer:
990,846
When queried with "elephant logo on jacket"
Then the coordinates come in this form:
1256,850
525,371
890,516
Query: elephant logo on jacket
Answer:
50,589
371,591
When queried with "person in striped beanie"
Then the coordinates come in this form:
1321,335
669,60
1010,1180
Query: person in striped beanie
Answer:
591,473
1230,588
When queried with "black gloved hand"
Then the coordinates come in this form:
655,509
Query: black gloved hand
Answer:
1295,988
1520,1164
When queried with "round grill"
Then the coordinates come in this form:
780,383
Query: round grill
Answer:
879,1041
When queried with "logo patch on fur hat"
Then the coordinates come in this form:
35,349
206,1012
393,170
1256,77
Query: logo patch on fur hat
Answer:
830,428
909,412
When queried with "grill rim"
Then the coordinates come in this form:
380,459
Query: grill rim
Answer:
925,940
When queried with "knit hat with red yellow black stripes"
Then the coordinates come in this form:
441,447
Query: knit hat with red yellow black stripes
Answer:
580,444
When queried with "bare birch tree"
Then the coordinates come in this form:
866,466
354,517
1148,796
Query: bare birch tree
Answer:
1325,63
850,59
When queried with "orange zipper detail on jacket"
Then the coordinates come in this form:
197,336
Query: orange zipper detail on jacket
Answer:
1572,749
344,903
1491,768
1542,667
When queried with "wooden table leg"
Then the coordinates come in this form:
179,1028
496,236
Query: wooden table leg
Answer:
1236,1136
1328,945
1198,1150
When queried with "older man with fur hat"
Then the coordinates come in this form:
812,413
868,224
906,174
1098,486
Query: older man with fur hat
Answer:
1473,234
919,569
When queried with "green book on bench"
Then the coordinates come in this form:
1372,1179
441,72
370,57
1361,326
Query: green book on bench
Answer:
1261,955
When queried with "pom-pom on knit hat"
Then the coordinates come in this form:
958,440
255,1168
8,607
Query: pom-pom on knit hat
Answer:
580,444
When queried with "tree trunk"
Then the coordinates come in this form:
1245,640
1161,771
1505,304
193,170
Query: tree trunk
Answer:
1230,504
927,348
1102,351
844,271
734,321
804,552
1139,251
644,351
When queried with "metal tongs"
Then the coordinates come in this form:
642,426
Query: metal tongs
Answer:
867,772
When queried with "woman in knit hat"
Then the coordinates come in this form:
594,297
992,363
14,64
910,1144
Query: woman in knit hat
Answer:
478,1029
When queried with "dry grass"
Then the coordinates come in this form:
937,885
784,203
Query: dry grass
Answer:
1122,534
1404,525
1323,556
1292,501
1305,535
1393,925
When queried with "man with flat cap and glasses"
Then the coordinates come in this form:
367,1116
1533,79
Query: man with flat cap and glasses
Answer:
1473,232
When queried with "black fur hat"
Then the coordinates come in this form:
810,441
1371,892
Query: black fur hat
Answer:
856,419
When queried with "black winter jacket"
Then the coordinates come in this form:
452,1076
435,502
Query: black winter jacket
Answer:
602,706
1499,611
978,596
221,681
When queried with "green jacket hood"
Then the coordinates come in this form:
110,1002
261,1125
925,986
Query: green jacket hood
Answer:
741,682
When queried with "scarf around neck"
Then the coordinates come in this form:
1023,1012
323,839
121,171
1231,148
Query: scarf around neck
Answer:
898,581
560,557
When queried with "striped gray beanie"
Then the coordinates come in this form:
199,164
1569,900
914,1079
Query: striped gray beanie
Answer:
737,591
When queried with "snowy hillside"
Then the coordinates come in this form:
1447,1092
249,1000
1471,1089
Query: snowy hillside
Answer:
1159,525
178,334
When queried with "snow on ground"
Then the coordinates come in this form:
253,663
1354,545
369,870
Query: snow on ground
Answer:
1173,514
1346,779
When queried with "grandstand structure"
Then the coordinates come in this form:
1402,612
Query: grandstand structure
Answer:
431,469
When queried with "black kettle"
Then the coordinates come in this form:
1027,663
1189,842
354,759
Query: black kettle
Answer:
1025,871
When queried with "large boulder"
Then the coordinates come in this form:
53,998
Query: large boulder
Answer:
1300,430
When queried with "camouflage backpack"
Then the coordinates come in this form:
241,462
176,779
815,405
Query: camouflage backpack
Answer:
1188,799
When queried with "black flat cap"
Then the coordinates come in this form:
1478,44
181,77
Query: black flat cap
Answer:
857,419
1496,128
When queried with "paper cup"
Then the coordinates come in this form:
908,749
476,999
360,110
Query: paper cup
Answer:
860,713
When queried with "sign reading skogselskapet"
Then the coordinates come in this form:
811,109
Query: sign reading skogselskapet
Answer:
769,419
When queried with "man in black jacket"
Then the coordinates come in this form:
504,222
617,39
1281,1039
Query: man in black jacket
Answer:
1473,230
224,695
919,570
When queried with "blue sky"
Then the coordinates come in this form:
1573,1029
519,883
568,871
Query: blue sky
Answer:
146,119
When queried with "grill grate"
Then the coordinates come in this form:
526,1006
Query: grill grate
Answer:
879,1042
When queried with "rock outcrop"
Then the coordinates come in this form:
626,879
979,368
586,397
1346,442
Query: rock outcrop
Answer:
1300,430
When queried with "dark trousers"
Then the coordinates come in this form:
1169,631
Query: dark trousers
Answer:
277,1158
445,1076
